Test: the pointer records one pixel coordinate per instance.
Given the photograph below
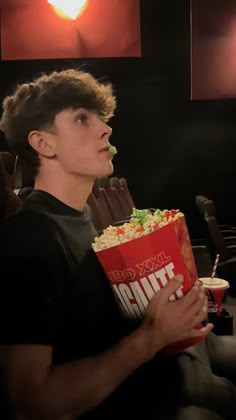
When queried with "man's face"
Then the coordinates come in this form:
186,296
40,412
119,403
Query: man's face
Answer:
81,143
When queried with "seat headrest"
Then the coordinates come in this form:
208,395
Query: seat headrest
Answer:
123,183
24,176
8,161
104,182
115,182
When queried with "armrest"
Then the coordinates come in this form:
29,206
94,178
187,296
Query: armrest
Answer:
227,270
229,262
226,226
222,226
230,240
230,243
231,246
228,232
199,247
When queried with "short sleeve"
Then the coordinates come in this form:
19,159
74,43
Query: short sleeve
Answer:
33,268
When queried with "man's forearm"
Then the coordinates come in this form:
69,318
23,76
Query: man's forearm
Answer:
74,388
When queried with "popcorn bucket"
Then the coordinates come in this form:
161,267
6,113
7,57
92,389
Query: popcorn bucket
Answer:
141,267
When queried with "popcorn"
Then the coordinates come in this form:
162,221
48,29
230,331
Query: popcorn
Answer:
142,222
112,149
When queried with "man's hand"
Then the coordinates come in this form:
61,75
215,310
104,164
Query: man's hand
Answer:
167,322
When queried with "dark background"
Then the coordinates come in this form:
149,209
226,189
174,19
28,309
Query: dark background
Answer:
170,148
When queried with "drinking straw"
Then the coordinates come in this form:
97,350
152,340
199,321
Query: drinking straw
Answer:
215,266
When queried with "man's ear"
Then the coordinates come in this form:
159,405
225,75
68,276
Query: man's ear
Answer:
43,143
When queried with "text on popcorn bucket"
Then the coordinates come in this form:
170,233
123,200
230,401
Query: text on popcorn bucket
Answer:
134,296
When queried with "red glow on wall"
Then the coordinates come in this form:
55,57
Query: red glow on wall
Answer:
213,49
106,28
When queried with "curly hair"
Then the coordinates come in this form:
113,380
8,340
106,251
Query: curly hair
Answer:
34,106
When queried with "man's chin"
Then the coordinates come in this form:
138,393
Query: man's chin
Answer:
109,171
105,170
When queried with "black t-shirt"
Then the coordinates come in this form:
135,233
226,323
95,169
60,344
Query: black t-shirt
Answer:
53,290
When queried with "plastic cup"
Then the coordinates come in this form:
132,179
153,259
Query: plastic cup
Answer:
216,290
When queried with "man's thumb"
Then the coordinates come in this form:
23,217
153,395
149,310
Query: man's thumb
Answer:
171,287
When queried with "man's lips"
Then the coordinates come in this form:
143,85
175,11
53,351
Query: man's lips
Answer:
104,149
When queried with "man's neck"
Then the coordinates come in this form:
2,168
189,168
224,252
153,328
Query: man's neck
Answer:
72,191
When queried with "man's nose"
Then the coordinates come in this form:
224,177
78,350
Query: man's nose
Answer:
106,130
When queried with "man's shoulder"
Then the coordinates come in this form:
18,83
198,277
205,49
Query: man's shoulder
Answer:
24,220
27,229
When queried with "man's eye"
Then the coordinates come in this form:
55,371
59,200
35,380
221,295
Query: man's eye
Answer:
81,118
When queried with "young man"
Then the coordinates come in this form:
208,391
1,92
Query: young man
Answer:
67,352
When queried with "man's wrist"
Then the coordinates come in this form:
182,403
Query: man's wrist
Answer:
143,346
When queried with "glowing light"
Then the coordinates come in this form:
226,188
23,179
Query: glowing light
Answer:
71,8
